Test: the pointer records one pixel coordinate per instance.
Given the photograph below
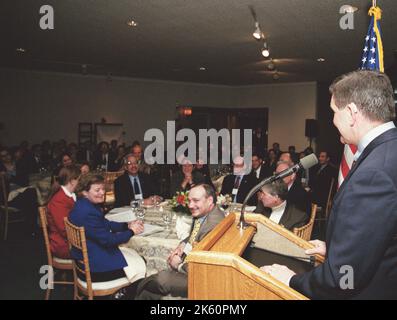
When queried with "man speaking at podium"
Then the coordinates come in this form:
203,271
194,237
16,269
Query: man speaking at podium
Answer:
361,240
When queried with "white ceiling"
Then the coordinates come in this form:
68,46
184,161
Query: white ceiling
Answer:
174,38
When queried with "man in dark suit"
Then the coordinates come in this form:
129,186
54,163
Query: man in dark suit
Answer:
321,179
297,195
104,159
239,184
133,185
202,205
84,154
276,207
259,170
361,241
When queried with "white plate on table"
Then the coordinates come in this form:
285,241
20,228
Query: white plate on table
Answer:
150,229
121,215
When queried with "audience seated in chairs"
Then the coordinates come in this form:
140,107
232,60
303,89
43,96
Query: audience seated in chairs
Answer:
107,261
104,159
65,160
85,154
23,198
272,160
150,169
204,170
85,168
61,202
120,154
239,184
133,185
185,178
206,216
277,208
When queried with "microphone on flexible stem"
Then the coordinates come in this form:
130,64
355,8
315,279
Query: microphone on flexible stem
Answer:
305,163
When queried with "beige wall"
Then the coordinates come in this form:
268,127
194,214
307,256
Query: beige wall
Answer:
37,105
289,106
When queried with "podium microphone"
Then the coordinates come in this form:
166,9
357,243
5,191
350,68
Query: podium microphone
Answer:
305,163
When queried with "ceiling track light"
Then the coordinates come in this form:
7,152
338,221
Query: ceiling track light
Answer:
258,34
265,50
270,65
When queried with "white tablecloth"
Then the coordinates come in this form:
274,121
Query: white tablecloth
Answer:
156,246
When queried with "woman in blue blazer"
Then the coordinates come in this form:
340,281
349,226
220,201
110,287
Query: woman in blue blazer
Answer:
103,237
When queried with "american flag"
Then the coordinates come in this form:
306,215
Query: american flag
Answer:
372,59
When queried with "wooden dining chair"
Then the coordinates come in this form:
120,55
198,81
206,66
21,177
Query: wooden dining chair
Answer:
63,265
8,214
76,239
305,232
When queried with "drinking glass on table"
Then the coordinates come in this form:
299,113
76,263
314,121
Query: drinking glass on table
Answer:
140,213
135,204
167,218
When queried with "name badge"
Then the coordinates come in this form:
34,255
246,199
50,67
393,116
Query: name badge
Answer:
235,191
187,249
139,196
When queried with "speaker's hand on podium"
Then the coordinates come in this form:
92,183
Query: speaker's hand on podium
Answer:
281,273
319,248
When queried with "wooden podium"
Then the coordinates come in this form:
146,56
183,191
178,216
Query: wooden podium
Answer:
225,264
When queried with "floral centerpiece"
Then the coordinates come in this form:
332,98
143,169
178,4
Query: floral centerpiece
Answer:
180,202
224,201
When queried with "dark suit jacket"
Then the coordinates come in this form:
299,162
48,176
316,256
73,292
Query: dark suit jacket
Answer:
297,196
362,230
82,156
264,173
247,183
112,163
124,191
103,237
320,183
292,217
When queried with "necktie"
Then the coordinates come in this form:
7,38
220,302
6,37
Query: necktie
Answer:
236,186
196,228
137,190
237,182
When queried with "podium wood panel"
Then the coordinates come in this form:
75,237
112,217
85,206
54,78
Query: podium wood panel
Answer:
217,270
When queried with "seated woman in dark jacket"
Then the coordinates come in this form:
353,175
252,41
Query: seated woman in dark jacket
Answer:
186,178
107,261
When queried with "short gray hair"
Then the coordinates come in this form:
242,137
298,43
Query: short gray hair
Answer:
370,91
277,188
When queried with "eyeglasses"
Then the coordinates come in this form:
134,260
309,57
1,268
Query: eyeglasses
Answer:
129,163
